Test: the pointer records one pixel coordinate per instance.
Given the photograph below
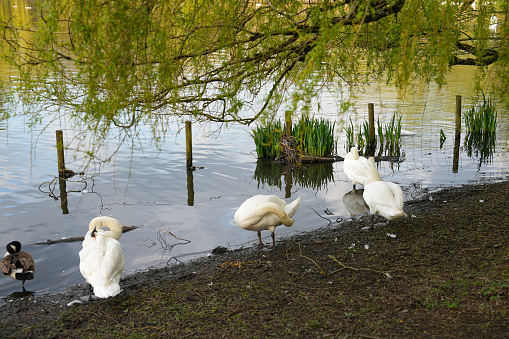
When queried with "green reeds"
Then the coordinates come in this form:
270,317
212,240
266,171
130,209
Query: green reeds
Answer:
388,141
266,139
313,137
481,124
481,118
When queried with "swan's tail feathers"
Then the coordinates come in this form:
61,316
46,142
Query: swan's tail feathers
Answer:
106,291
290,209
396,215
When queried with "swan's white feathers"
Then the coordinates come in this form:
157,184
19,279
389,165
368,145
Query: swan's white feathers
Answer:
384,198
265,212
101,259
356,168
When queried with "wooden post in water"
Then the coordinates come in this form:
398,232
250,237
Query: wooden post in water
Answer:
63,194
458,115
288,185
288,123
190,187
372,140
60,153
457,136
189,145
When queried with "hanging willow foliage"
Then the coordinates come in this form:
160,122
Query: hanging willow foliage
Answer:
128,63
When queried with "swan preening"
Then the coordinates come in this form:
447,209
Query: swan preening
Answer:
382,197
17,264
265,212
356,168
101,259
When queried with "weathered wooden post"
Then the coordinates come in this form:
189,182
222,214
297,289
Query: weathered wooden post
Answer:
60,153
61,171
372,140
457,138
189,145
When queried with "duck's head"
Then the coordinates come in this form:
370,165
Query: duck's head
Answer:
13,247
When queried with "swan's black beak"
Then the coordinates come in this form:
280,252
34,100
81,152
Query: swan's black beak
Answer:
92,234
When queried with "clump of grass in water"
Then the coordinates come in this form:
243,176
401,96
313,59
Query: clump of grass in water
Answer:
266,139
389,136
481,118
481,124
313,137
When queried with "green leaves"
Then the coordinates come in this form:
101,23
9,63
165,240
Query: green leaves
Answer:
232,61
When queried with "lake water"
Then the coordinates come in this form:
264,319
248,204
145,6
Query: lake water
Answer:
149,187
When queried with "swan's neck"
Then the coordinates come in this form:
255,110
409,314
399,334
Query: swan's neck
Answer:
374,175
115,229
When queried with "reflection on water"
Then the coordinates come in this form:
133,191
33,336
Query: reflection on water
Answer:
481,146
314,176
19,295
354,202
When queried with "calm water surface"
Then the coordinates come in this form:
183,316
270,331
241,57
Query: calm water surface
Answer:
148,187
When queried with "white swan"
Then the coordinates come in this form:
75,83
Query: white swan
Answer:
356,168
101,259
17,264
384,198
265,212
354,202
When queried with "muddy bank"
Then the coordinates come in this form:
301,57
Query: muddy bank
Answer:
444,271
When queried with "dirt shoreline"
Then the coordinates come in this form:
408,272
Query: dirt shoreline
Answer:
444,271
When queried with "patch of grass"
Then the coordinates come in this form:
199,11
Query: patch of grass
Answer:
266,139
313,137
388,140
481,117
481,124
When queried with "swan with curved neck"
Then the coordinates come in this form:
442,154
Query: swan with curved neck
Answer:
265,212
356,168
17,264
101,259
384,198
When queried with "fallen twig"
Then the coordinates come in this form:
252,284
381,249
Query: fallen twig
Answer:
357,269
75,239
